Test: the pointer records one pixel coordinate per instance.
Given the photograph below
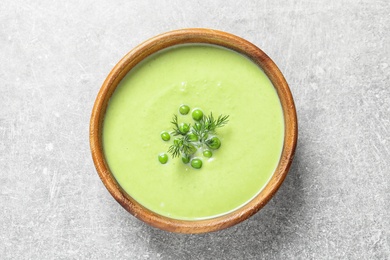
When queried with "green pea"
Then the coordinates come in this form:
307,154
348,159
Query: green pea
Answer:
192,137
213,143
207,153
196,163
163,158
165,136
184,128
184,109
185,159
197,114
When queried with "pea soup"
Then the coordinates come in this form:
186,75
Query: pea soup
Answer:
218,81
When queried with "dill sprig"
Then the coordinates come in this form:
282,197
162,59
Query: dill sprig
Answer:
193,140
174,149
186,145
175,123
180,146
210,124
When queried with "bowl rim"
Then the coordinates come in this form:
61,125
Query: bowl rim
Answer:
201,36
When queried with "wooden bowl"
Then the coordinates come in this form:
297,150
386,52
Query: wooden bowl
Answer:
156,44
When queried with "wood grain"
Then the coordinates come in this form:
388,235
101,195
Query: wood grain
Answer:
195,35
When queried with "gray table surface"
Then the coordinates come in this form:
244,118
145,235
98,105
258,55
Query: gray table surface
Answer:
334,204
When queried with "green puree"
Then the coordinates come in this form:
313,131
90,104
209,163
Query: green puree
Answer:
216,80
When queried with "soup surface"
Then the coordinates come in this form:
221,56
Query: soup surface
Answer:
216,80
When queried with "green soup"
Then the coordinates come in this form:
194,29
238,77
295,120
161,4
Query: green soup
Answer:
216,80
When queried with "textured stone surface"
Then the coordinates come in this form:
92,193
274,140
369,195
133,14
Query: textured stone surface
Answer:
334,203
